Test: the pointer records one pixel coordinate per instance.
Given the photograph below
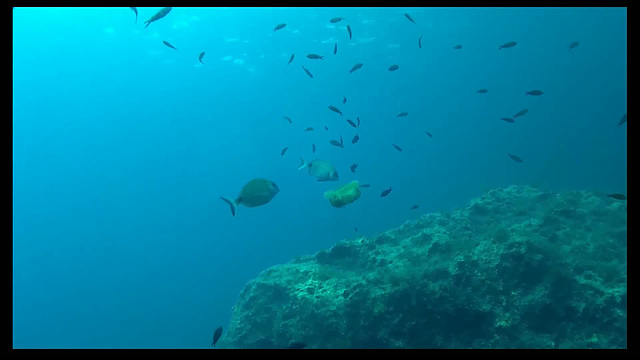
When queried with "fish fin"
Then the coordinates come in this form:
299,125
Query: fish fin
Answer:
231,203
147,24
302,164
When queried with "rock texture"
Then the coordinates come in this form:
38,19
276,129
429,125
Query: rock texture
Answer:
515,268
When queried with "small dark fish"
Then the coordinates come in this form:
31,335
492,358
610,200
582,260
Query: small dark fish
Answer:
458,47
623,120
510,120
414,207
307,71
216,335
409,18
352,123
200,57
394,67
355,228
402,114
336,143
520,113
336,20
284,151
482,91
278,27
573,45
159,15
136,12
420,42
533,92
386,192
355,67
516,158
291,59
335,48
335,109
358,119
288,119
618,196
365,185
355,139
349,31
313,148
297,345
428,133
309,129
326,128
169,45
353,167
344,99
315,57
507,45
397,147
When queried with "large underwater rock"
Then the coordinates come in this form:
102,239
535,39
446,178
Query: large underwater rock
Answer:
515,268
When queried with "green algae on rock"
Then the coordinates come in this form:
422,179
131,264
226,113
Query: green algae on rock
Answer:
515,268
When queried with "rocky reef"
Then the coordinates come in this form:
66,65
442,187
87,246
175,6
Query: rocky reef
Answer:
515,268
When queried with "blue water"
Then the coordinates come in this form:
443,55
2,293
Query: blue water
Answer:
122,146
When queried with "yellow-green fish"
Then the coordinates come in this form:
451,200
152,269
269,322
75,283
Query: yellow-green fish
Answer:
256,192
320,169
344,195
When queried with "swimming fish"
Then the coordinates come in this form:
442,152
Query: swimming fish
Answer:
297,345
618,196
510,120
136,12
216,335
402,114
358,119
336,20
458,47
515,158
385,192
533,92
256,192
344,99
344,195
315,57
428,133
353,167
291,59
507,45
335,109
520,113
159,15
623,119
409,17
397,147
349,31
355,67
307,71
200,57
169,45
414,207
320,169
308,129
420,42
313,148
288,119
336,143
335,48
394,67
573,45
352,123
284,151
482,91
278,27
355,139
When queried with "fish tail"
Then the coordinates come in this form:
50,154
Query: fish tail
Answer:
302,164
231,203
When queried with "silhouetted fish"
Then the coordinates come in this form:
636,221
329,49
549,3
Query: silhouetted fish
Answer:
402,114
515,158
200,57
169,45
394,67
397,147
216,335
534,92
409,18
351,123
385,192
355,139
623,120
573,45
510,120
336,143
414,207
355,67
308,129
315,57
297,345
336,20
313,148
618,196
428,133
344,99
335,109
307,71
353,167
482,91
420,42
520,113
159,15
335,48
458,47
288,119
349,31
136,12
284,151
291,59
278,27
507,45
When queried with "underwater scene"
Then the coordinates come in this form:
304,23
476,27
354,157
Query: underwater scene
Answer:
319,178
